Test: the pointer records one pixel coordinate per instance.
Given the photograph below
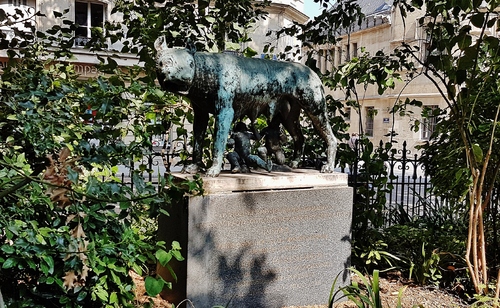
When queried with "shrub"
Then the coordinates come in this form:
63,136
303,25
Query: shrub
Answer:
68,226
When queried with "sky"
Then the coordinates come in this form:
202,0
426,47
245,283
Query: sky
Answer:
311,8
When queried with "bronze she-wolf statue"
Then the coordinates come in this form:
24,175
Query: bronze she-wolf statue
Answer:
231,87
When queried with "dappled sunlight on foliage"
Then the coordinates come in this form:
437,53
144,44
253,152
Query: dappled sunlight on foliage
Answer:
71,230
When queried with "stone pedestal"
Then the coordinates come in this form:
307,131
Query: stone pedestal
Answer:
262,239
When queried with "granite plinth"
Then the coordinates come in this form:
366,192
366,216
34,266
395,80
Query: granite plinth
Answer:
262,239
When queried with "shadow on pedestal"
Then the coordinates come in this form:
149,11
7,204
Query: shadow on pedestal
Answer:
261,245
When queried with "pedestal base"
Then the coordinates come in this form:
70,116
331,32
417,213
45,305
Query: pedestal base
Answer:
262,240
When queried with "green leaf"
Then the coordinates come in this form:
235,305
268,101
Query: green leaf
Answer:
44,268
249,52
172,272
9,263
154,286
210,19
137,269
44,231
72,175
8,249
113,298
40,239
478,152
177,255
50,264
159,93
232,46
112,63
31,263
484,127
477,20
176,245
81,296
116,279
101,293
163,257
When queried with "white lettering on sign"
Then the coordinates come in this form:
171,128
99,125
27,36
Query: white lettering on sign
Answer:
81,69
84,70
3,64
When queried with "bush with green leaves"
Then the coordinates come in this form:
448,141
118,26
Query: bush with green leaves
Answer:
462,154
67,222
69,232
431,247
67,238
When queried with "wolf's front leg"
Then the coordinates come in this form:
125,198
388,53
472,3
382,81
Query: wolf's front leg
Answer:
223,121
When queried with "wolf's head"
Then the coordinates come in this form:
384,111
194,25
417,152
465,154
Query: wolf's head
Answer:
175,67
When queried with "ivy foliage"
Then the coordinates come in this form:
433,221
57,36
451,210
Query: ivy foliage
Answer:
67,221
71,231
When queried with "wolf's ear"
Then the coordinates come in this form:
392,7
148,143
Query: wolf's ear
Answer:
190,46
160,43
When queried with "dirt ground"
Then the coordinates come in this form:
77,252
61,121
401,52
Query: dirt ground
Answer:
413,296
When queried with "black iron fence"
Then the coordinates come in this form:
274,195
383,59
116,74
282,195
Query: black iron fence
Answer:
408,190
408,184
159,159
409,195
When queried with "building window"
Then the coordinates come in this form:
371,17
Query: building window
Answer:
370,115
319,61
424,51
87,15
354,50
331,57
18,2
347,116
17,20
428,122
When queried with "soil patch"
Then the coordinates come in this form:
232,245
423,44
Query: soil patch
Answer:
413,296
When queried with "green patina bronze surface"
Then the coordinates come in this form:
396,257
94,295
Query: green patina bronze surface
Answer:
231,87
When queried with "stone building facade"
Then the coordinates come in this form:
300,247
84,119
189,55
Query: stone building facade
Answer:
281,13
93,12
383,29
84,12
